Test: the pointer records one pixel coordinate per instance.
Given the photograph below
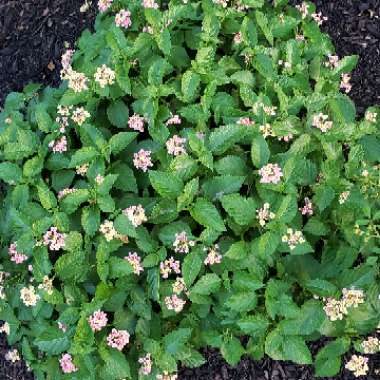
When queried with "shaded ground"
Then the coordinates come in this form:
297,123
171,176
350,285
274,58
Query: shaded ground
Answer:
32,36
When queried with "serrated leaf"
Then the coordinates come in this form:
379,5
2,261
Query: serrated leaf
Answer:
175,340
52,341
189,85
168,185
254,325
206,214
189,192
83,156
90,220
207,284
242,210
10,173
259,151
118,113
232,351
121,140
223,138
191,267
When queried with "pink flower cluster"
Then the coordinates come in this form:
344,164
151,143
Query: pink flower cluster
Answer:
59,146
54,239
97,320
168,266
175,303
123,19
65,192
142,160
135,260
136,122
270,173
146,364
213,255
67,364
345,83
321,122
174,120
104,5
182,243
150,4
245,121
175,145
307,209
16,257
66,58
118,339
238,38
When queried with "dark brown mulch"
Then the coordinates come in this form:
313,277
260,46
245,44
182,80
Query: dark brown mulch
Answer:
354,26
32,36
32,33
11,371
267,369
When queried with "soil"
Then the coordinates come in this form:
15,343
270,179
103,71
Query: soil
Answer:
32,36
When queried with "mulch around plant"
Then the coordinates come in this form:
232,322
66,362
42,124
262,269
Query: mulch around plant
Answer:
32,36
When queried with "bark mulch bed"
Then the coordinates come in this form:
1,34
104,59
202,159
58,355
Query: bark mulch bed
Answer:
32,36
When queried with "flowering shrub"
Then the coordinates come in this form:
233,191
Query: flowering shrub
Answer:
197,177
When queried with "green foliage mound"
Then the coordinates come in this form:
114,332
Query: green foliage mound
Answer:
197,177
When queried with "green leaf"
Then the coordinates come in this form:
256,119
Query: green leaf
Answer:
323,197
52,341
10,173
189,192
207,284
119,267
254,325
189,85
121,140
262,21
158,70
320,287
232,351
43,119
70,202
83,156
242,301
175,340
168,185
47,198
206,214
223,138
242,210
164,41
83,339
90,220
296,350
328,361
249,32
217,186
124,226
287,210
118,114
116,365
264,65
191,267
259,151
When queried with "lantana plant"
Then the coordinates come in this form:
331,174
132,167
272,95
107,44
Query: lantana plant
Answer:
199,176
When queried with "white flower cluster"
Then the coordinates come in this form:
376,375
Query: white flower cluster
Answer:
336,309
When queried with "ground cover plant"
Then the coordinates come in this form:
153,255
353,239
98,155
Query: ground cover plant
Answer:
197,177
